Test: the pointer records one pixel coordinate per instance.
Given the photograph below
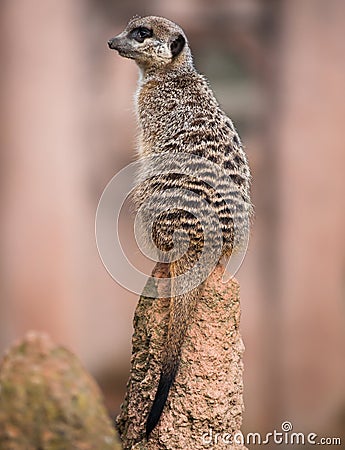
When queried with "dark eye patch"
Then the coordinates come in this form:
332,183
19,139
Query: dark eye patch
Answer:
141,33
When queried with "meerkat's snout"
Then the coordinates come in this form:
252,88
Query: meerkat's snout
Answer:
122,45
113,42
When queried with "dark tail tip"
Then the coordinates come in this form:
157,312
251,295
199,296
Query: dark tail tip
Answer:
165,382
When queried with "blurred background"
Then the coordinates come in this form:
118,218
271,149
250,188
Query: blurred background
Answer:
67,126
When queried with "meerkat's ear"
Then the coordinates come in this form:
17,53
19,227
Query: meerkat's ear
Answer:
177,45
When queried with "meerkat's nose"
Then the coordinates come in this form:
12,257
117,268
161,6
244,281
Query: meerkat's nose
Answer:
111,43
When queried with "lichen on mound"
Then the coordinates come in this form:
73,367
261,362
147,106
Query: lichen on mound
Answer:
49,402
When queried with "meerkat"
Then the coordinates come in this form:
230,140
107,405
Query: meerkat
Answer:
178,114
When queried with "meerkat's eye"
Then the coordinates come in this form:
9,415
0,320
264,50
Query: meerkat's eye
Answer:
141,33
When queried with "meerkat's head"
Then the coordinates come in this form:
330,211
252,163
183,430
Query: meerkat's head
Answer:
154,43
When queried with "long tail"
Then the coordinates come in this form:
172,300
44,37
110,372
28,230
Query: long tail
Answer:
182,308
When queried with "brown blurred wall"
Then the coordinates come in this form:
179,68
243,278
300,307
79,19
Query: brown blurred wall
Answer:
52,278
311,146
